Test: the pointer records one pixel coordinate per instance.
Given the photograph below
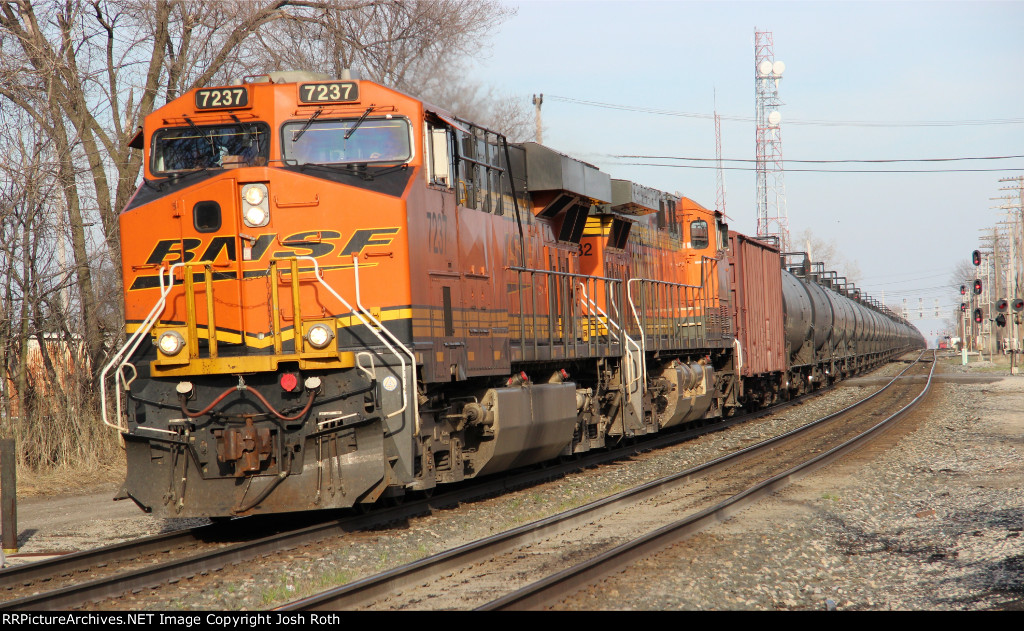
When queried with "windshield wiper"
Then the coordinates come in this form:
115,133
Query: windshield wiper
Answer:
389,170
201,133
359,122
298,134
344,168
249,129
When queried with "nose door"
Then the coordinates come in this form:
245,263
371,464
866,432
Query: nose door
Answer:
210,227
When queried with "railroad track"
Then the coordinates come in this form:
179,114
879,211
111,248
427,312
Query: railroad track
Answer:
95,576
470,575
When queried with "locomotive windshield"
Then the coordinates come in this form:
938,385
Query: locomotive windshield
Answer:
347,140
202,147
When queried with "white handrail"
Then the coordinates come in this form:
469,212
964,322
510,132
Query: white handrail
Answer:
133,342
588,304
130,346
362,314
636,317
632,378
394,338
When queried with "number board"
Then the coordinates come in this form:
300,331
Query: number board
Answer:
221,98
336,92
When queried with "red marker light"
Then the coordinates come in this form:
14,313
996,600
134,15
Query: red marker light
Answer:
289,382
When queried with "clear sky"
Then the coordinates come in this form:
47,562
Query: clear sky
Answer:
958,64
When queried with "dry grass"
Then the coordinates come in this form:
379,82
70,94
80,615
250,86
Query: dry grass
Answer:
71,479
62,445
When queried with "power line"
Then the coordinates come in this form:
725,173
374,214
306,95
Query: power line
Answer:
908,273
825,123
871,161
696,166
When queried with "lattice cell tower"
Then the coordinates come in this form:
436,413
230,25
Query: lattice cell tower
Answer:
772,216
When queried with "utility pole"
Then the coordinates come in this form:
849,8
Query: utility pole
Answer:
537,100
1013,204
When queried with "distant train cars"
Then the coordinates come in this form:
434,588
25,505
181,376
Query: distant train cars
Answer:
335,293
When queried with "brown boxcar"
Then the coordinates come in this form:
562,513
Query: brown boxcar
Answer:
758,316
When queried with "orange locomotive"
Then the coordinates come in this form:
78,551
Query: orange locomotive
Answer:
336,292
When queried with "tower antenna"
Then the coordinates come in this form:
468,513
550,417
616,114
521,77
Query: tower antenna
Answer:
719,177
772,215
537,100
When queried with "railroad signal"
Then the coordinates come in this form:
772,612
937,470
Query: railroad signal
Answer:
963,306
977,286
976,257
977,316
1002,305
963,290
1001,320
1018,304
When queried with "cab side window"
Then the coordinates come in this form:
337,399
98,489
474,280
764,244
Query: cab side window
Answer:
698,234
438,154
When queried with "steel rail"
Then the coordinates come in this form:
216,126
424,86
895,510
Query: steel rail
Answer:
85,560
373,588
550,589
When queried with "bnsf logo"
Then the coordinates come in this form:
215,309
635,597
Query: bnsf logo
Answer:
316,244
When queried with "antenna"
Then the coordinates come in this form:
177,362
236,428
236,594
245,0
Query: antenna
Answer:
537,100
719,177
772,216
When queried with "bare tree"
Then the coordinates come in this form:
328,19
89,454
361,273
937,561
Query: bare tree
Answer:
827,252
394,43
419,47
46,381
474,101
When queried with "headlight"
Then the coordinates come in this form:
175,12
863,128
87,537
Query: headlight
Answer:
254,195
319,336
255,206
171,343
255,216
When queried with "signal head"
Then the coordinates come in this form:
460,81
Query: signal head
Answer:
1001,320
1017,304
977,316
963,306
977,286
976,257
1002,305
963,290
